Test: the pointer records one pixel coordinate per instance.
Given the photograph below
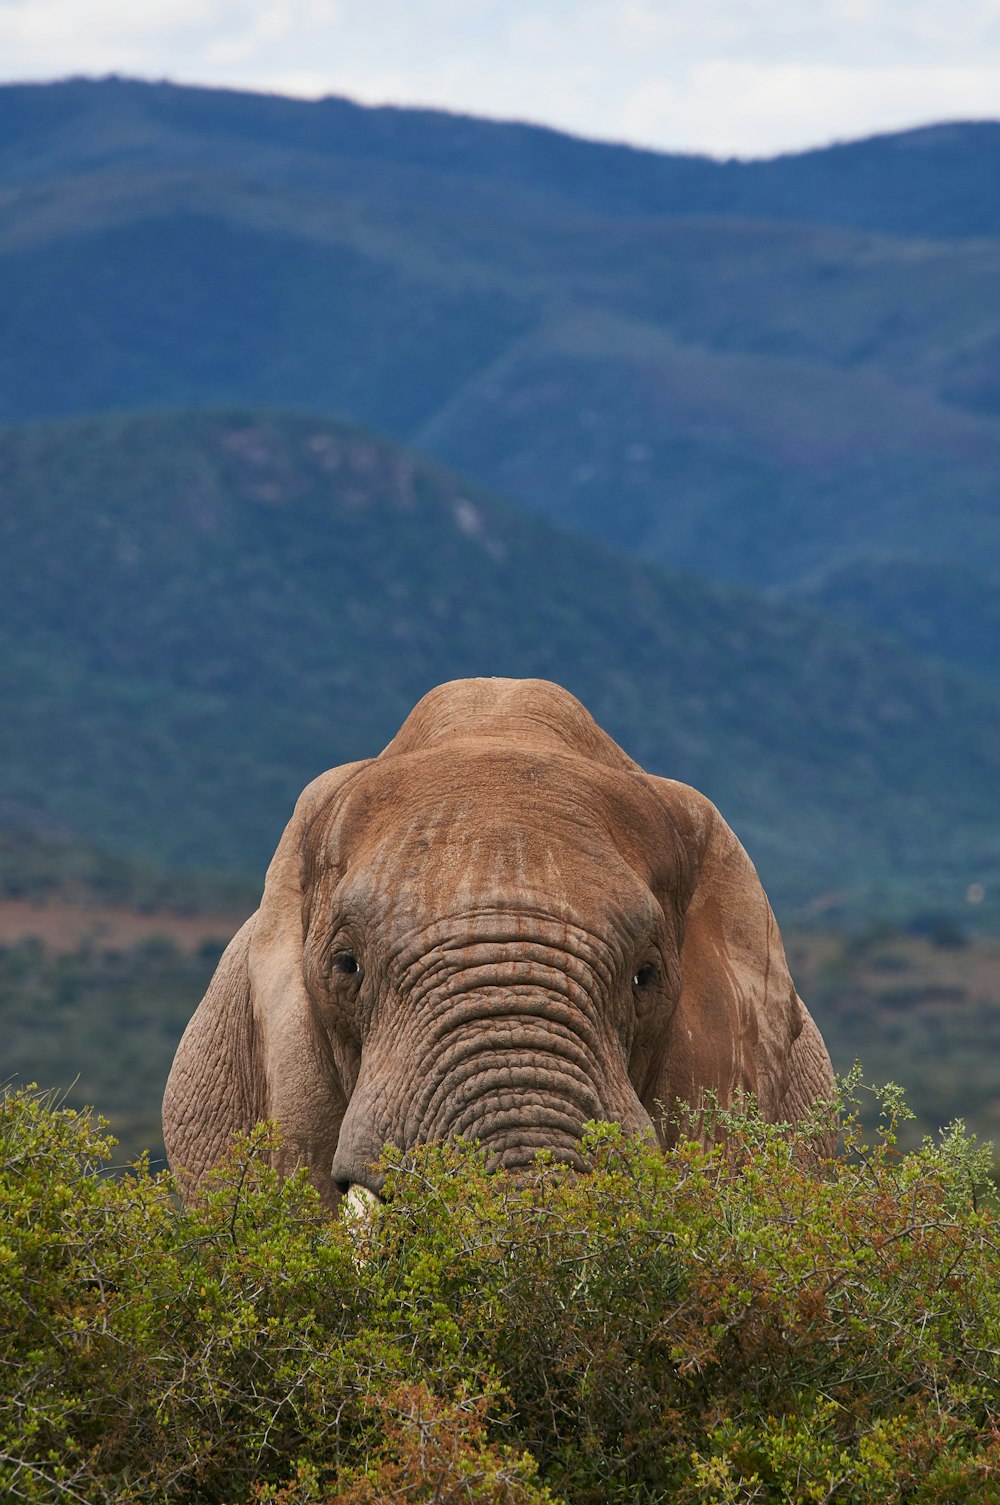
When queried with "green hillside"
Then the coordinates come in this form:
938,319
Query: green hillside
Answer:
946,610
764,471
762,371
201,611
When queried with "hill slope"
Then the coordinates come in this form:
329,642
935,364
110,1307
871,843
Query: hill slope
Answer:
201,611
938,181
763,471
948,611
759,370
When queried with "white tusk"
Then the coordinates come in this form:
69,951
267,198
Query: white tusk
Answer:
360,1211
360,1204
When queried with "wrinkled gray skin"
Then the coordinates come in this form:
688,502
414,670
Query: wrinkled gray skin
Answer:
498,929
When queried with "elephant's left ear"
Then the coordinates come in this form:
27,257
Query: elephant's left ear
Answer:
738,1016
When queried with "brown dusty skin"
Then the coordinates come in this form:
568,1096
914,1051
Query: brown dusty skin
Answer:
498,928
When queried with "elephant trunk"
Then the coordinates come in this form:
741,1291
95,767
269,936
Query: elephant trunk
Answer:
517,1067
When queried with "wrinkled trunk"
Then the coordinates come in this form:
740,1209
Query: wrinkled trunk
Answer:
513,1051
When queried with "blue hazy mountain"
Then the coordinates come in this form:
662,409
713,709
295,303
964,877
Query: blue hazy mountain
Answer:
762,371
200,611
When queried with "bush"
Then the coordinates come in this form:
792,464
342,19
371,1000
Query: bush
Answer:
714,1326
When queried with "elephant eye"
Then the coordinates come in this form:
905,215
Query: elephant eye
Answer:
347,963
645,977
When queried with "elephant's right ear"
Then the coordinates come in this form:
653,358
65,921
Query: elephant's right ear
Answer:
737,1017
251,1051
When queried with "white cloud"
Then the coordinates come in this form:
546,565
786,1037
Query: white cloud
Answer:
731,76
751,109
50,38
855,32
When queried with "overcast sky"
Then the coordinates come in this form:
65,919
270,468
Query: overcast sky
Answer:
732,77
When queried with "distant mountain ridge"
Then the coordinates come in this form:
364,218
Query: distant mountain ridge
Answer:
938,180
200,611
761,371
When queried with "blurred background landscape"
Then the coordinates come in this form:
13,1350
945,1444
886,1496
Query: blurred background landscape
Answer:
307,407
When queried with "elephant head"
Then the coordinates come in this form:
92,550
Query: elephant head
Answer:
499,928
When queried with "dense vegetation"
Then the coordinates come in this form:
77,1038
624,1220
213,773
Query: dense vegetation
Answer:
202,611
709,1327
761,371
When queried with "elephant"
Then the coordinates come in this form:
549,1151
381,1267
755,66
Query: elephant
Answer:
498,929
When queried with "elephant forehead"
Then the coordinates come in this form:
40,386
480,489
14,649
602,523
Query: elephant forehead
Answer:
469,826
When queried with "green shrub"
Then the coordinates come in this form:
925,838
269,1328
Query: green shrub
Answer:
713,1326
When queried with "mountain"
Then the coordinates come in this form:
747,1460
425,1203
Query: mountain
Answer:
937,181
758,470
201,610
764,371
948,611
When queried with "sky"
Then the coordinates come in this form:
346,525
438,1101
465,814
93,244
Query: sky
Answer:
729,77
